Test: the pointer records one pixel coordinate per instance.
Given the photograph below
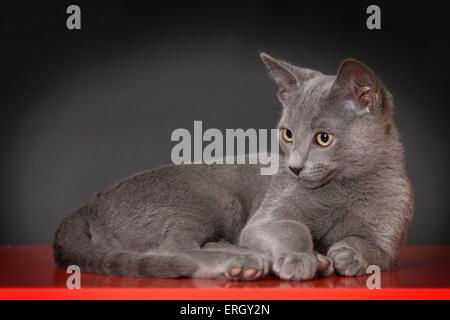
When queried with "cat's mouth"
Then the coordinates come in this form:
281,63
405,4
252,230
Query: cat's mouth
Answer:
314,182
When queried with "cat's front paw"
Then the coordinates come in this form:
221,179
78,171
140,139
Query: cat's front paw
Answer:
347,260
295,266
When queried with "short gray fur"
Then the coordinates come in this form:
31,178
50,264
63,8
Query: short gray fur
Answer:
348,207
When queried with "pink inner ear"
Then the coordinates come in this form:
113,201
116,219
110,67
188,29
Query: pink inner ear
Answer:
361,90
360,82
353,73
282,91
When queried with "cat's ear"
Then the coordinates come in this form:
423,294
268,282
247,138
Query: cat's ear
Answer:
360,84
283,74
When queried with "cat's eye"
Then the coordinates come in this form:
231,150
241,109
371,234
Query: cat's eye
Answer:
324,139
287,135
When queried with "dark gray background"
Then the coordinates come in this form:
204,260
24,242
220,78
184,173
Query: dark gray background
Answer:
81,109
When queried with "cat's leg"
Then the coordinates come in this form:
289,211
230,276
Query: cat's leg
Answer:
240,250
288,242
219,260
352,255
226,264
353,249
347,258
196,262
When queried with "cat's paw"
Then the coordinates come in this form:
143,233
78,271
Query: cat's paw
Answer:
326,266
347,260
295,266
247,267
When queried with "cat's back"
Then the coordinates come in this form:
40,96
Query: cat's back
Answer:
183,185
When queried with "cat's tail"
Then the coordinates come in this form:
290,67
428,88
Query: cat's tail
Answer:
74,245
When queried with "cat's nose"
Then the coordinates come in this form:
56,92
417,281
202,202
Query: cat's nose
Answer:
296,170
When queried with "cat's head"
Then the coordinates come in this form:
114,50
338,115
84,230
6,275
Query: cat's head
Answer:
331,126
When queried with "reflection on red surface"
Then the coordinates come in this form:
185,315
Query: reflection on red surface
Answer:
33,267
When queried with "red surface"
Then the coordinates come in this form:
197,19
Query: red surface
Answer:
28,272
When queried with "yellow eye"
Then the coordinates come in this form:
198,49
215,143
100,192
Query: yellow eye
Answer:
324,139
287,135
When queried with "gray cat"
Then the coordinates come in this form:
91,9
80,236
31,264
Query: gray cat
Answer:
341,200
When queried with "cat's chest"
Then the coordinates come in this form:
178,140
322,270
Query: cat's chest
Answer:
322,213
320,222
